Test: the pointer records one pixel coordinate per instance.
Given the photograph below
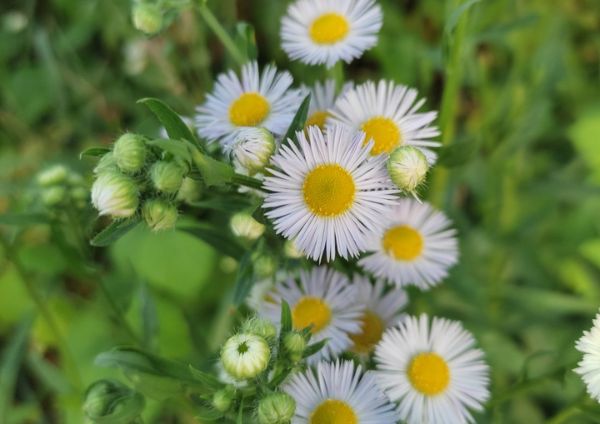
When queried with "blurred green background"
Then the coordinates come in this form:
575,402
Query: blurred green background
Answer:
518,86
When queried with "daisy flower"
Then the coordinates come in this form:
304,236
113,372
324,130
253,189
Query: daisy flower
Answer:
414,246
322,99
339,393
382,310
326,31
432,370
589,369
387,113
254,100
323,298
327,193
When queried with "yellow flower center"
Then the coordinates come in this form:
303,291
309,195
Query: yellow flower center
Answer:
333,411
328,190
429,373
249,110
384,133
311,311
404,243
317,119
329,28
371,331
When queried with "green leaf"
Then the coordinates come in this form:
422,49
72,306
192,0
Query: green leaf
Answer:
244,279
94,152
246,40
456,14
207,414
177,148
149,317
21,219
214,172
174,125
214,237
298,122
314,348
113,232
286,318
206,379
230,203
457,154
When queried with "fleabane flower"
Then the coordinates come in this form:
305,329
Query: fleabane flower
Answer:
589,366
321,298
322,98
115,194
432,370
327,193
256,99
388,113
326,31
244,356
383,309
414,246
339,393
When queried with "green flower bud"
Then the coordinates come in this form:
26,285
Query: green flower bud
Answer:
56,174
107,163
265,266
222,399
190,190
407,167
276,408
115,194
130,153
159,214
166,176
244,356
80,193
243,225
147,18
252,149
111,401
53,196
291,251
260,327
295,344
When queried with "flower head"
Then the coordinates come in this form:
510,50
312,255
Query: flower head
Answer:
588,369
276,408
167,176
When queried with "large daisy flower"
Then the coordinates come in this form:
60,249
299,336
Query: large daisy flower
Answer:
327,193
415,245
322,99
254,100
589,367
432,370
383,309
323,298
326,31
387,113
339,393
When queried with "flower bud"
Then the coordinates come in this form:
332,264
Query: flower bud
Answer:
222,399
130,153
107,163
291,250
295,344
52,176
243,225
166,176
244,356
252,149
80,193
147,18
115,194
159,214
111,401
53,196
407,167
260,327
276,408
190,190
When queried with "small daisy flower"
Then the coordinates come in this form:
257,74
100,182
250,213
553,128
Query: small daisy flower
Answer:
382,310
432,370
322,99
387,113
589,367
323,298
327,193
254,100
339,393
326,31
414,246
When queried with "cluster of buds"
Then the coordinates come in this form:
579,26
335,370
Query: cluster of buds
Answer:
133,179
62,187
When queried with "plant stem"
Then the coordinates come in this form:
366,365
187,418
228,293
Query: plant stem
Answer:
565,413
337,73
221,34
247,181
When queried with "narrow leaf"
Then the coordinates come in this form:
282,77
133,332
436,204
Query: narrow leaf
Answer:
244,279
206,379
94,152
314,348
148,316
174,125
214,172
286,318
176,147
246,40
456,14
298,122
113,232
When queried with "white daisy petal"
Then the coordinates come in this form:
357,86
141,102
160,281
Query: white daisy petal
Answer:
414,246
589,366
432,370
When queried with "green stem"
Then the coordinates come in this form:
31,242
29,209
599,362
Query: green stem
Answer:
565,414
247,181
337,74
221,34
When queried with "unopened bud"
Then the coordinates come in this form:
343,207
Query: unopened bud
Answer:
245,226
111,401
80,193
222,399
53,196
107,163
244,356
147,18
166,176
52,176
190,190
159,214
252,149
407,167
295,344
276,408
130,153
115,194
260,327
